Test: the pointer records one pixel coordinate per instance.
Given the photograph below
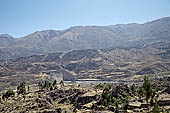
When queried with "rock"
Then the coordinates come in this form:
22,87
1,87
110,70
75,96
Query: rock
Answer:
144,105
58,110
49,100
117,91
97,107
50,111
80,101
63,94
168,90
164,102
168,79
138,110
111,108
134,105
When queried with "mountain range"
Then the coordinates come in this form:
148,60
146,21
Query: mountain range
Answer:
115,52
85,37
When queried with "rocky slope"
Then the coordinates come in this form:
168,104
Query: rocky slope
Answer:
98,98
85,37
102,64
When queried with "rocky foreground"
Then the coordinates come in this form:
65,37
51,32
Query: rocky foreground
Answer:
48,97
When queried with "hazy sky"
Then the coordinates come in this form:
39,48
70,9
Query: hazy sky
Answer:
21,17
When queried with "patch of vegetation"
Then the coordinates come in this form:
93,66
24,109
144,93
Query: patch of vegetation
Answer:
21,89
107,96
45,85
7,94
156,108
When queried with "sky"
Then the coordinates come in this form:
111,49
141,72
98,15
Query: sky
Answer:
22,17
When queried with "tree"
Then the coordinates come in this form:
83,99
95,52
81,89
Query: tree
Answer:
156,108
55,82
21,89
47,85
133,88
141,91
152,97
126,103
147,88
117,106
62,83
107,96
7,94
40,85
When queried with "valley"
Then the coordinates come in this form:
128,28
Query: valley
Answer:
95,68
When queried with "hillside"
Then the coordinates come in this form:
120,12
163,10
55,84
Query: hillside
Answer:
85,37
115,64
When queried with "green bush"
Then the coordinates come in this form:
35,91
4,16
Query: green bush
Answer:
126,103
147,88
156,109
107,97
21,89
133,88
45,85
7,94
117,106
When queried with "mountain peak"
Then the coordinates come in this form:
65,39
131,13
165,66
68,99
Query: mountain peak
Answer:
5,36
164,19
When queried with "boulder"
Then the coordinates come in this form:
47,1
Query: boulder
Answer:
134,105
168,90
164,102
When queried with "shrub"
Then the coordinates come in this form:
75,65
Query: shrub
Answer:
62,83
156,108
126,103
117,106
45,85
148,88
133,88
107,97
21,89
7,94
55,82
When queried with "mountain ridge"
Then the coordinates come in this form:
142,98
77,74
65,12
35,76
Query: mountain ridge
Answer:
86,37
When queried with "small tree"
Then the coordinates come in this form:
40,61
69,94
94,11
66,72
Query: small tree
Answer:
7,94
133,88
156,108
147,88
141,92
10,93
55,82
21,89
126,103
116,106
40,85
62,83
152,97
47,85
107,96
